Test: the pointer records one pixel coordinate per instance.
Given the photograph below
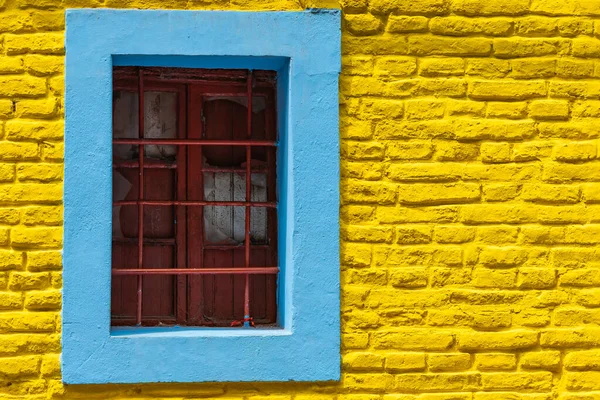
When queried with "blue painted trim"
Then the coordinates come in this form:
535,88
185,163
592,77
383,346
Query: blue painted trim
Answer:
305,49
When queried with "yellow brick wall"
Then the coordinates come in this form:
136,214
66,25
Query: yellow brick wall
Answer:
470,202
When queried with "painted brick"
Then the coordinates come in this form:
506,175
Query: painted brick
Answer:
443,102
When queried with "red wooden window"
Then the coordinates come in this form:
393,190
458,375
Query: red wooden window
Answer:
194,197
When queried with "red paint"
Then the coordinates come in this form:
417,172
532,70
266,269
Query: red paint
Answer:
182,277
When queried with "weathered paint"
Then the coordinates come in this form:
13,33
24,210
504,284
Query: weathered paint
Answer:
309,279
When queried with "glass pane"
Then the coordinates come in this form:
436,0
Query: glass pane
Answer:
160,122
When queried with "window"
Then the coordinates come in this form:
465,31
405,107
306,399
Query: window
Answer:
203,144
194,68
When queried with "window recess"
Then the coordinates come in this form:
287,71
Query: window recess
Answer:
194,197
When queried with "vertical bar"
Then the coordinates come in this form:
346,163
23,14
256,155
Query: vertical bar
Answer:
248,197
181,211
140,196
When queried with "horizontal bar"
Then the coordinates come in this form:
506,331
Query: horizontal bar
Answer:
198,271
194,203
147,164
196,142
234,247
173,165
147,241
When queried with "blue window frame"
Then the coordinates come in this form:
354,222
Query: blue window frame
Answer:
304,47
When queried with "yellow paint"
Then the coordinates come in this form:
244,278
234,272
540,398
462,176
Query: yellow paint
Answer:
470,202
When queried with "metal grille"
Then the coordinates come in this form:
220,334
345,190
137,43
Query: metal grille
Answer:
191,135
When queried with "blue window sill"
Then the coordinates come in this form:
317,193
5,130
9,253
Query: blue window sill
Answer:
304,47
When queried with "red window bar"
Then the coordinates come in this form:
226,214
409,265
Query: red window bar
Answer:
193,147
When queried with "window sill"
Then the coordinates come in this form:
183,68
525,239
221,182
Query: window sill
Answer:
199,332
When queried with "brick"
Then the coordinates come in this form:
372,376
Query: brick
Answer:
444,46
382,108
531,151
363,150
377,45
508,340
10,260
449,362
414,130
378,383
50,365
561,338
486,278
10,301
583,381
43,108
425,109
408,277
358,340
404,362
506,90
495,362
52,151
368,234
461,26
395,66
357,65
500,191
529,47
574,89
39,172
406,24
549,109
357,255
575,69
27,322
29,344
362,24
497,234
43,65
46,43
575,151
415,7
539,193
432,194
585,47
536,26
422,340
442,66
565,173
44,260
586,360
488,68
355,129
574,130
418,172
465,108
43,300
363,361
540,381
393,215
504,7
532,68
493,130
574,26
366,192
36,237
440,88
517,110
19,367
20,130
368,171
437,382
409,151
497,214
495,152
450,151
453,234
